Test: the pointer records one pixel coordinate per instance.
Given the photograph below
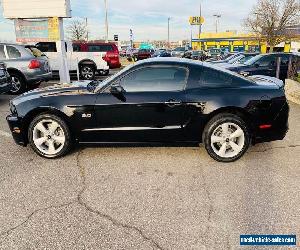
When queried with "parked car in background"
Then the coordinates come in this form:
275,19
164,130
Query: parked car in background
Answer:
265,64
234,60
5,80
88,63
178,52
162,53
173,100
143,54
110,50
199,55
26,68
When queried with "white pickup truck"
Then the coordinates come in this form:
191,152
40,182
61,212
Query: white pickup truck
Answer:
88,63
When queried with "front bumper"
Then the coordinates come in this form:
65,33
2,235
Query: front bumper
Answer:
37,78
16,127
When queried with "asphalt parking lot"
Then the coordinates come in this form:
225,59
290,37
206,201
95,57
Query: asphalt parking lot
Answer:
147,197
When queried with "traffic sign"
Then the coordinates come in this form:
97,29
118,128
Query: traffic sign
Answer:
116,38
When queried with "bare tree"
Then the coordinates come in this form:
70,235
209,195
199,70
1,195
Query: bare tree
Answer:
272,20
77,30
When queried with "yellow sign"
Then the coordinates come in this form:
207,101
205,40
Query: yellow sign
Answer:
196,20
53,29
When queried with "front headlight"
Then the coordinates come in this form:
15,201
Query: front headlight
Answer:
13,108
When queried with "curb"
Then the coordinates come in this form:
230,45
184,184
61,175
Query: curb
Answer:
292,91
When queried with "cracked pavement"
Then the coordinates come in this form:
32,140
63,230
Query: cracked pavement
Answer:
147,197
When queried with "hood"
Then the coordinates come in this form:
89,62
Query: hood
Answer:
79,87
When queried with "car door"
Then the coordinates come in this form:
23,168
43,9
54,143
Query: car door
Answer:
150,108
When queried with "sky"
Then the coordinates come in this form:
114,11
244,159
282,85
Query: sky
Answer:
148,18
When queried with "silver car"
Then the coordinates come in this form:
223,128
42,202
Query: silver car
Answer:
26,66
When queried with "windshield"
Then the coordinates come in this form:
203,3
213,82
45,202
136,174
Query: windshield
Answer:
253,60
245,59
111,78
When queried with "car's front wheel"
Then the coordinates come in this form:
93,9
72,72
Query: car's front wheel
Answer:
49,136
226,137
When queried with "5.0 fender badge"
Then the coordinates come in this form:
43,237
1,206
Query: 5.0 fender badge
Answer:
86,115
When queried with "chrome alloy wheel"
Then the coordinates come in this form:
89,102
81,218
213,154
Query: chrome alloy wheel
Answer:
87,73
48,137
228,140
16,84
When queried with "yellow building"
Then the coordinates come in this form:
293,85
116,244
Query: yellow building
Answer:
233,42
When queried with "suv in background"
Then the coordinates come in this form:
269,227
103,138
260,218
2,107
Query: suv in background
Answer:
27,69
178,52
111,50
87,63
5,80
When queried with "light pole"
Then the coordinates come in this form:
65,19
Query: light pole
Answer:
169,18
106,22
217,16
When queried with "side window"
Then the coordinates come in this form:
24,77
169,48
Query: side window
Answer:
100,48
13,52
211,78
151,79
267,61
76,48
2,54
47,47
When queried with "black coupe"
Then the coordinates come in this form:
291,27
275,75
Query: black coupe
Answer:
155,101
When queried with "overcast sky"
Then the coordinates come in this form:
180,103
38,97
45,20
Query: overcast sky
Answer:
148,18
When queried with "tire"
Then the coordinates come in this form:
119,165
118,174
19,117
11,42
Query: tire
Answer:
87,72
18,83
41,136
226,137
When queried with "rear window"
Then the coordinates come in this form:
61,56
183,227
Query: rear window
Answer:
212,78
35,52
100,48
13,52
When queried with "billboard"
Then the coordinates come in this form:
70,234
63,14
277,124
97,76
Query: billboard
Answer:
43,30
196,20
36,8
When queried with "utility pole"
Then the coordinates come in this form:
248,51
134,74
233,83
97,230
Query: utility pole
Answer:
86,28
106,22
217,16
200,26
169,18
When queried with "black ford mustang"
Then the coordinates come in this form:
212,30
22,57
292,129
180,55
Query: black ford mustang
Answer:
154,101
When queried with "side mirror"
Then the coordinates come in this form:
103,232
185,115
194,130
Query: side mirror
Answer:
117,90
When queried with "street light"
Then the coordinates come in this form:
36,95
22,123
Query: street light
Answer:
106,22
169,18
217,16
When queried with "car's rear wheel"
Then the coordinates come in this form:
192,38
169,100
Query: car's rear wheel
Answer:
49,136
18,83
87,72
226,137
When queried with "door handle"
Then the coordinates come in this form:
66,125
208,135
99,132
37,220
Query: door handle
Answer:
173,102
